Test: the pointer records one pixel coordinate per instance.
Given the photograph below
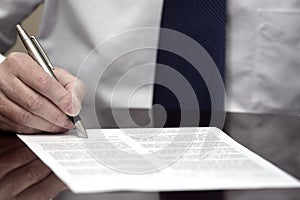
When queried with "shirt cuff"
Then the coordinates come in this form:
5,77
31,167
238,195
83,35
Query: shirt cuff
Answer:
2,58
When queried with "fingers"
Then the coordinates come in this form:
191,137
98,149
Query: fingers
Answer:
12,126
46,189
14,159
31,74
75,87
22,178
15,113
36,78
35,101
37,104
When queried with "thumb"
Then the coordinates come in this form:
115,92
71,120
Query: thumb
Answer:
75,87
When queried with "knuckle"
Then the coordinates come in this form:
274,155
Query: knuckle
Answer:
54,128
22,129
12,58
59,119
26,155
65,100
15,59
4,110
44,81
31,175
33,102
11,63
25,118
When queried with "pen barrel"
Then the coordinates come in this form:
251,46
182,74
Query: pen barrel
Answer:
37,54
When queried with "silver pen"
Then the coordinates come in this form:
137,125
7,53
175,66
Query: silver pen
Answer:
35,50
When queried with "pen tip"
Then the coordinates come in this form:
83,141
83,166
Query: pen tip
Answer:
81,129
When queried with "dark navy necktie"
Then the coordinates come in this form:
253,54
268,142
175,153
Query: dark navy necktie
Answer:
204,21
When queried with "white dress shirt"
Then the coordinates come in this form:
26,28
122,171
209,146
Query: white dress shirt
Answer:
262,52
262,62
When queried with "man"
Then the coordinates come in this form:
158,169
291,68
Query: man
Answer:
68,28
71,30
69,48
32,102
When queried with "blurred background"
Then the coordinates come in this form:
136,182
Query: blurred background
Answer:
32,25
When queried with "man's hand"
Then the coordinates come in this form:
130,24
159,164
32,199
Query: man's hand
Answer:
23,175
31,101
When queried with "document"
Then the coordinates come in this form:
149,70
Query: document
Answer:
155,159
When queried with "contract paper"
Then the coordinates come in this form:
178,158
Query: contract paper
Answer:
153,159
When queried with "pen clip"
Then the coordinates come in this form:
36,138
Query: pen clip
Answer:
41,50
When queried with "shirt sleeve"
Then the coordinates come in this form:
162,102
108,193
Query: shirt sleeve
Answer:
2,57
13,12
